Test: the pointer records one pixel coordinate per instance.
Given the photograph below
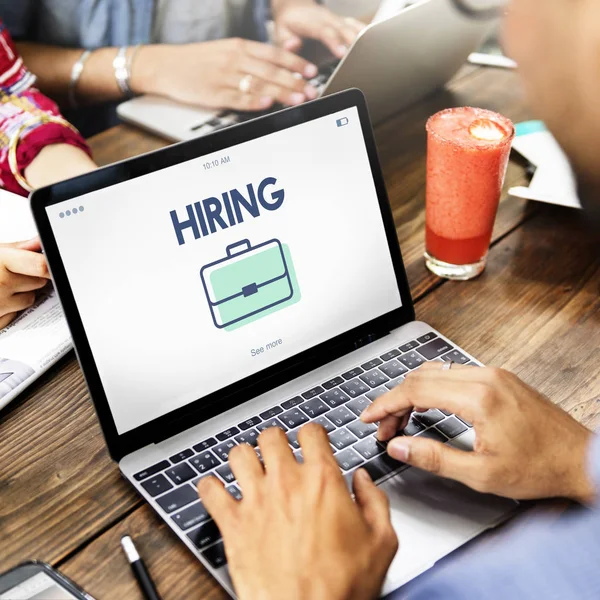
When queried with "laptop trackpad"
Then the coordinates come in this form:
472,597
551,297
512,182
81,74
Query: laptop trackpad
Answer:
432,517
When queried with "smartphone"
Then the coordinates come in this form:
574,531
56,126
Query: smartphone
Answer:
34,580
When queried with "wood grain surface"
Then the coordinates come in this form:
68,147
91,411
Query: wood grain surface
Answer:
535,311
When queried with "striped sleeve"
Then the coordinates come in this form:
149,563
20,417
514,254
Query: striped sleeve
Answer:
21,101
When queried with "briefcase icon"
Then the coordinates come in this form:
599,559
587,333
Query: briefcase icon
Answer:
249,283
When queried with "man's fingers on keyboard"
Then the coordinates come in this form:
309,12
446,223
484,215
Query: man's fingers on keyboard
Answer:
391,425
457,370
404,421
388,427
217,500
391,404
315,444
275,450
434,457
459,397
431,366
246,466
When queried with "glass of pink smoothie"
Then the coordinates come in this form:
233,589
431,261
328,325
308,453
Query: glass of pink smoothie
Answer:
467,155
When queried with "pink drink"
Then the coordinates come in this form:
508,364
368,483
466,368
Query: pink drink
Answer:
467,155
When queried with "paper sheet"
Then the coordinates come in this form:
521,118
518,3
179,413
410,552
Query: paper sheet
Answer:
551,187
554,181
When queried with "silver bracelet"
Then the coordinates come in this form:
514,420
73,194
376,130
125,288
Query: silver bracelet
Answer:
121,72
122,66
76,72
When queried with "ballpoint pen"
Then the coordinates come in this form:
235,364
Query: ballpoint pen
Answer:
139,569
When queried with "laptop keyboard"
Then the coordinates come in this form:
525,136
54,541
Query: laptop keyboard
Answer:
336,404
227,118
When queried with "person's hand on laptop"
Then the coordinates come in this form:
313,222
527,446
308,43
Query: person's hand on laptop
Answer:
298,19
23,271
526,447
297,533
232,73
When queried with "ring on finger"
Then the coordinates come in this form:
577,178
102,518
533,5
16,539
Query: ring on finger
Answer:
447,365
245,83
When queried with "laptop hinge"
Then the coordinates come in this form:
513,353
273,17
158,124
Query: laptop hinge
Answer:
369,338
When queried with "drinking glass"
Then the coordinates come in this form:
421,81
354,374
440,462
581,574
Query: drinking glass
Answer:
467,155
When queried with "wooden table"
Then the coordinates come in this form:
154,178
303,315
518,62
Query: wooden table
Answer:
536,311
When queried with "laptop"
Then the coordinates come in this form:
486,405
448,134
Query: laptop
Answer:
395,62
245,280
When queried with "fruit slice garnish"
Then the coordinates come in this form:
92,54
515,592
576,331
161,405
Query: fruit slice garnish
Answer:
487,130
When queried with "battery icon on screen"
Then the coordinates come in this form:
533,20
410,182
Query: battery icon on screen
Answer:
342,122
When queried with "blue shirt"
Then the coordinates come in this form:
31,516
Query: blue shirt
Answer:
100,23
547,559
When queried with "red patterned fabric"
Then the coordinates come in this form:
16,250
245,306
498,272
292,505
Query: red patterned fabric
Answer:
19,102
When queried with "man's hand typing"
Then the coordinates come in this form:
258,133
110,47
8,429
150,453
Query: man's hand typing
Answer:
526,447
297,533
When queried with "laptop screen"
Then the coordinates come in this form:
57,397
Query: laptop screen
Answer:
196,276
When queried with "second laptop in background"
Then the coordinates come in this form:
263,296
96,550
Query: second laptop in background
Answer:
395,62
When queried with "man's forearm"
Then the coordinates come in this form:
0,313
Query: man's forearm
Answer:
53,65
